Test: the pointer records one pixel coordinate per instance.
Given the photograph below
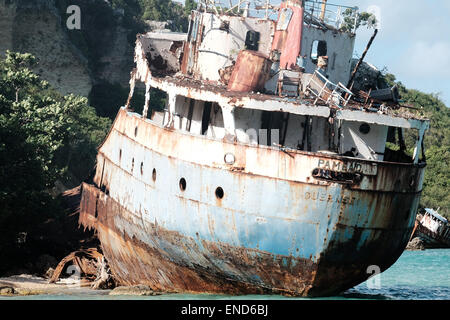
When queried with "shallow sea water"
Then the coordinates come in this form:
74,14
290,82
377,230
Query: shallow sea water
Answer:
417,275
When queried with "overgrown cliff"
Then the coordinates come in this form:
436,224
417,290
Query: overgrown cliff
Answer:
72,61
36,27
95,60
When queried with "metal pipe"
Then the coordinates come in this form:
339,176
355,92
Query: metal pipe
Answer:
293,45
246,10
361,59
322,13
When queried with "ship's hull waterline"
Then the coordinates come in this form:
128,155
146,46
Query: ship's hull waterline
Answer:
263,234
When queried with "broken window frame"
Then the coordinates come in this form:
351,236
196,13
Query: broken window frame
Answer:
318,51
252,40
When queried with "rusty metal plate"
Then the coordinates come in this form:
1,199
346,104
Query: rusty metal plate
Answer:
284,19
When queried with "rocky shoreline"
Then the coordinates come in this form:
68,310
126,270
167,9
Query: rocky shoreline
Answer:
416,244
27,285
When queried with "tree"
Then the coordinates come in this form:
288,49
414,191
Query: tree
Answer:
189,5
44,137
362,19
163,10
158,10
437,144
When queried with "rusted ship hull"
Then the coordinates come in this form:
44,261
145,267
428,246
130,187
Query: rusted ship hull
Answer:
431,239
276,228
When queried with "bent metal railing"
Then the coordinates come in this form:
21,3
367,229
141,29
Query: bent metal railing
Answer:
316,11
245,8
327,91
331,14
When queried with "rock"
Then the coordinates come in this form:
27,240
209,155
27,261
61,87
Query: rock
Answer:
6,291
138,290
49,273
415,244
28,292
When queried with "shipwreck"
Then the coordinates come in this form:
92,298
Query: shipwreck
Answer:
267,170
432,228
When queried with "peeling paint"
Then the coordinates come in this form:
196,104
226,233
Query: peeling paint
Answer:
246,191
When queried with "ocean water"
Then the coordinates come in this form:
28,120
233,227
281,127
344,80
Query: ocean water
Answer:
417,275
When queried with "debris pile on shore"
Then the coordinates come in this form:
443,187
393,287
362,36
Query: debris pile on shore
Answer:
25,285
87,264
82,266
416,244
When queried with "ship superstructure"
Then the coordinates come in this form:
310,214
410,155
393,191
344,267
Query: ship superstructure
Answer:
265,171
433,229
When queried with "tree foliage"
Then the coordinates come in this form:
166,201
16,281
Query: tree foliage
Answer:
437,145
189,5
352,22
44,137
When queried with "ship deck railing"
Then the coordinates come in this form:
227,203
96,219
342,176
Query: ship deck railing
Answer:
316,12
246,8
327,91
301,105
334,15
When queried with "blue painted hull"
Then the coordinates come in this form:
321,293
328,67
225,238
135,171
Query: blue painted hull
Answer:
266,234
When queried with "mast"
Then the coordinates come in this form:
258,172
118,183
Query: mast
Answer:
324,7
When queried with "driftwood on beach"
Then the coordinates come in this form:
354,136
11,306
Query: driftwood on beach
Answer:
89,264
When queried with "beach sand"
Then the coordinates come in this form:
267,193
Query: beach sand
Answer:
25,284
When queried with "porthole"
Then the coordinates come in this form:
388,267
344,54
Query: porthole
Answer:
132,165
219,193
135,131
364,128
142,168
120,154
229,158
182,184
154,174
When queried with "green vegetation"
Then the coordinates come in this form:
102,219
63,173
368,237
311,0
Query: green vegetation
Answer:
163,10
107,98
437,145
99,23
363,19
44,138
100,19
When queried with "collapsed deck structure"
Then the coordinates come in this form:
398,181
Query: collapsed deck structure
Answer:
264,172
433,229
